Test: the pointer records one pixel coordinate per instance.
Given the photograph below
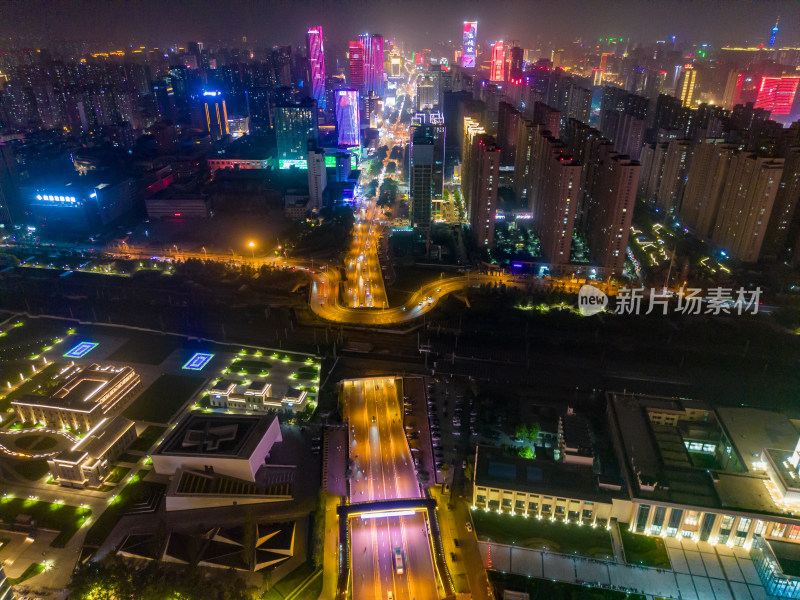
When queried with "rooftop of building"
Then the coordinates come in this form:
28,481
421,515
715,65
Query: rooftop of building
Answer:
496,470
80,392
247,147
658,465
97,443
217,435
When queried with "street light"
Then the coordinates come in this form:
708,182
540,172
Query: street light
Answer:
253,249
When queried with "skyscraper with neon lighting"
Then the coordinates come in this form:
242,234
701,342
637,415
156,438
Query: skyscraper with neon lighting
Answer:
348,119
498,61
373,62
316,62
469,44
777,94
356,53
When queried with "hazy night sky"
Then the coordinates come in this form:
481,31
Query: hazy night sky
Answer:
417,23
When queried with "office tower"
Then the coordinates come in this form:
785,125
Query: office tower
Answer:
485,173
773,34
472,129
686,85
612,210
373,62
453,111
295,128
733,89
11,210
469,44
316,63
557,202
395,65
426,174
497,67
746,205
425,93
373,106
707,175
785,208
508,119
282,64
516,63
317,177
348,119
209,113
777,94
165,99
356,52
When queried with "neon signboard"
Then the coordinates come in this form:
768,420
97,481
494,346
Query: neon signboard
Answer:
288,163
469,37
498,61
330,161
56,198
80,350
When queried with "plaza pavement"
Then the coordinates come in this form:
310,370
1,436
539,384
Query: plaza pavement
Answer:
700,571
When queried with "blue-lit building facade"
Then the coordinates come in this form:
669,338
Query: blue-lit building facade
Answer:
769,569
81,204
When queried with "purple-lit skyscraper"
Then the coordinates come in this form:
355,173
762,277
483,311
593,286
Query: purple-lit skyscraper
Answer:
373,62
348,120
316,61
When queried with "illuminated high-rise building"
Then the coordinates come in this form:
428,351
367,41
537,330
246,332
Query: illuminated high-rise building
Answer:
356,52
472,129
498,61
469,41
777,94
348,118
317,177
210,114
516,68
485,174
373,62
557,205
686,84
295,126
316,63
426,97
426,173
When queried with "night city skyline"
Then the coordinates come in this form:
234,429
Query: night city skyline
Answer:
726,22
369,300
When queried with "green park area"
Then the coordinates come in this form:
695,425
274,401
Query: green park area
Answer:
46,515
645,550
163,398
555,536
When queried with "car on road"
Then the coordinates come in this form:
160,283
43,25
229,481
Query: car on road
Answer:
374,419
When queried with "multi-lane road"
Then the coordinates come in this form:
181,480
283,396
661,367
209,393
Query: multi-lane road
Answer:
383,470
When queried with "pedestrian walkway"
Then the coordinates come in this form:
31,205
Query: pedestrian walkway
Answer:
700,571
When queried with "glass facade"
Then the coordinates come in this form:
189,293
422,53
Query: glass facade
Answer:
769,570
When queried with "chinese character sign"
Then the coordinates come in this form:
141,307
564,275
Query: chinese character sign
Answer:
470,34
